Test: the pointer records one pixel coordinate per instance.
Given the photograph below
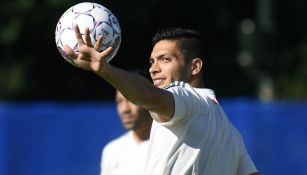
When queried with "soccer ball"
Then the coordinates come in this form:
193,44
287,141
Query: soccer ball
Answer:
97,18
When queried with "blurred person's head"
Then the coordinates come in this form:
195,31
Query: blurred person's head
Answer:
132,117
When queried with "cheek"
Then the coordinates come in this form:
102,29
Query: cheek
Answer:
121,107
180,74
134,110
117,107
171,70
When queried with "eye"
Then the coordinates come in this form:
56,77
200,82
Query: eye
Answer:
118,100
151,61
166,59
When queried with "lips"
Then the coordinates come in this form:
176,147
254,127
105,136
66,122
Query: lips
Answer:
126,119
158,81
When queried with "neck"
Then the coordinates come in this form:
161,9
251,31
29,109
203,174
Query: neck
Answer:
197,83
142,134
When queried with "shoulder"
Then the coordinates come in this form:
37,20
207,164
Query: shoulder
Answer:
186,95
186,86
184,90
118,142
179,87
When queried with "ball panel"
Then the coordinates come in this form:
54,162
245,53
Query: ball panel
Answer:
83,7
66,21
84,21
100,14
68,37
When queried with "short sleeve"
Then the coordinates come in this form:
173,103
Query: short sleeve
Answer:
187,103
181,107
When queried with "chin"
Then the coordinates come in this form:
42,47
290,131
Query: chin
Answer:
165,85
160,86
128,127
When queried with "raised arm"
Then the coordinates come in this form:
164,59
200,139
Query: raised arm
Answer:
134,87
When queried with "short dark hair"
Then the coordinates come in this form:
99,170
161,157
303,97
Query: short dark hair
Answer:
189,41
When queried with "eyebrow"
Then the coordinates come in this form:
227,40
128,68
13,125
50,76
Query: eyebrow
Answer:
160,56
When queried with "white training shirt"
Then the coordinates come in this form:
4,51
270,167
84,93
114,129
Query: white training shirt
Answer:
198,140
123,156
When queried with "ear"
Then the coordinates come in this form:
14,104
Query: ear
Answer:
196,66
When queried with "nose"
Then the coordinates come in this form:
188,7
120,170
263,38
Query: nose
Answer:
125,107
154,69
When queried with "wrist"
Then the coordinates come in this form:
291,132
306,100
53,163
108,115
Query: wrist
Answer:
104,69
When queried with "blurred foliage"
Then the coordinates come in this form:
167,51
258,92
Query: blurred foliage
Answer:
32,69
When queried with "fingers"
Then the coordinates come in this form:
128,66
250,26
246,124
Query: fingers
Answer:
78,35
88,55
98,43
88,41
70,52
106,52
76,58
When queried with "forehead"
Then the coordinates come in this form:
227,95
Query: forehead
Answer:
164,47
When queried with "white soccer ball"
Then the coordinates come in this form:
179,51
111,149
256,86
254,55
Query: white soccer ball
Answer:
97,18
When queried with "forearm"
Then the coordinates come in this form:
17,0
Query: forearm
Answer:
139,91
134,87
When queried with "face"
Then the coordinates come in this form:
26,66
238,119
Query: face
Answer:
132,116
167,64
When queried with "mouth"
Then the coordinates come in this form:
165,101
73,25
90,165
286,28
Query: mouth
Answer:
126,119
158,81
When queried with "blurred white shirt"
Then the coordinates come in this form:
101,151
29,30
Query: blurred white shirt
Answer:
123,156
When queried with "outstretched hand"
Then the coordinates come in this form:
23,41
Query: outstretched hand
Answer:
89,57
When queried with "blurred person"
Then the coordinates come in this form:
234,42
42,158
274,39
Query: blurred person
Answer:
127,154
190,134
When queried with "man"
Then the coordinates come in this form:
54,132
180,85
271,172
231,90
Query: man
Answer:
190,133
127,154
